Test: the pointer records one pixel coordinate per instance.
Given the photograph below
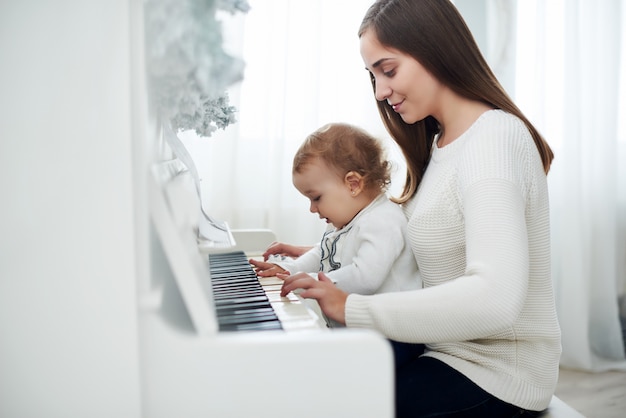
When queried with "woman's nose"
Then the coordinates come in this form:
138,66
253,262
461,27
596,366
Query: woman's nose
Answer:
382,90
313,207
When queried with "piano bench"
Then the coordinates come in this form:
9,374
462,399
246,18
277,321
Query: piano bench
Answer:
559,409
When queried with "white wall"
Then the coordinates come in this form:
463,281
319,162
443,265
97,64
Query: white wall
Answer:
68,333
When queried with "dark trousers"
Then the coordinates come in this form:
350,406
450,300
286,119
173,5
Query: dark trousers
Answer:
427,387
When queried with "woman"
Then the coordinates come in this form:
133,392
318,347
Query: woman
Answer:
476,200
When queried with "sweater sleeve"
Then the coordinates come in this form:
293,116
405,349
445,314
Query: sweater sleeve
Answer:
308,262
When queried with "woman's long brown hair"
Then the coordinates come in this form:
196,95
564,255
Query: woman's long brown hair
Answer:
434,33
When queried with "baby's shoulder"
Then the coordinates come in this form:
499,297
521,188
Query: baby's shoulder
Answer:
387,210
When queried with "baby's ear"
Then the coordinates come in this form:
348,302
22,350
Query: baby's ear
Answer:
354,181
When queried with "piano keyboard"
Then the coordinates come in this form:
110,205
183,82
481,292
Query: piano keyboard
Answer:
245,302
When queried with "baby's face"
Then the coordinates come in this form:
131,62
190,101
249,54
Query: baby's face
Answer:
328,192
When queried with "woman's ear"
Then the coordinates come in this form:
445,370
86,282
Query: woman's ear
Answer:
354,182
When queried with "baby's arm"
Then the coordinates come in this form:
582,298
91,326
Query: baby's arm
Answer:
279,248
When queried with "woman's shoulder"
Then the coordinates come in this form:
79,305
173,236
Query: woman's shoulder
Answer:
499,133
498,124
501,146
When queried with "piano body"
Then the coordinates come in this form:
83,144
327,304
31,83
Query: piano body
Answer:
190,368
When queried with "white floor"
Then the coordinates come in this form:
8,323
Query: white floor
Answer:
595,395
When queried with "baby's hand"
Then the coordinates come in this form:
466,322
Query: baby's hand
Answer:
281,249
264,269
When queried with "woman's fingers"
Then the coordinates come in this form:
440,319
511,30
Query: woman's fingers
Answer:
324,278
331,299
297,281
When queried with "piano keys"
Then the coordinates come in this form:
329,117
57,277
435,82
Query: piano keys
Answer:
245,302
240,302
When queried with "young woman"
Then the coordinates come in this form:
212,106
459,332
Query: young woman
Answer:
341,169
476,200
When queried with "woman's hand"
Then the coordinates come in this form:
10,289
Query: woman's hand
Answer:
331,299
279,248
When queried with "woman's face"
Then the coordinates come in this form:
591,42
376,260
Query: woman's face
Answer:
401,80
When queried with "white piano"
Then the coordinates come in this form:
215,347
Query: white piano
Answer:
190,368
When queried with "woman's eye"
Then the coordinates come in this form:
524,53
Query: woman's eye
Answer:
389,73
316,199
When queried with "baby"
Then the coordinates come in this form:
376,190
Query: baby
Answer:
341,169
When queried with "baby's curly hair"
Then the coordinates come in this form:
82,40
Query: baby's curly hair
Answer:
345,148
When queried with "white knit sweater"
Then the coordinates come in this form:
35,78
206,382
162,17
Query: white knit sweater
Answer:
479,228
